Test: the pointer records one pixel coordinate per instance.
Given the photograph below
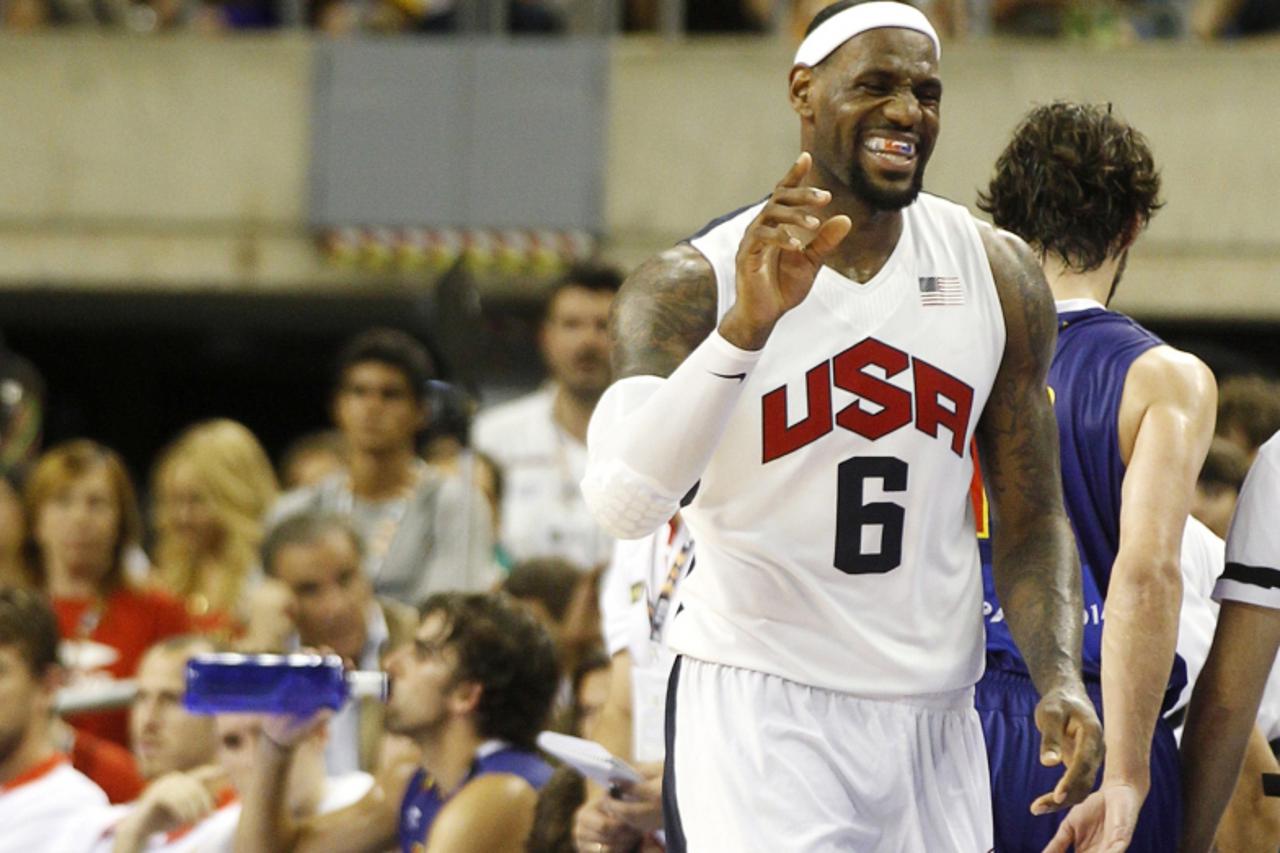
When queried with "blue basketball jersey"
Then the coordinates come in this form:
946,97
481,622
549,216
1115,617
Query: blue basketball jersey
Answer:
1096,348
423,799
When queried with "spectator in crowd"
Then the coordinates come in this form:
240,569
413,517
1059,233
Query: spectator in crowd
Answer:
553,819
1235,18
24,16
197,765
546,586
21,385
590,683
41,795
540,440
1248,411
423,531
641,593
323,599
312,458
166,738
212,488
13,531
84,517
473,691
1219,484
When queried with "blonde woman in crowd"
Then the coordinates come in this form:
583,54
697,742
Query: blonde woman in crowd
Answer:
211,488
84,519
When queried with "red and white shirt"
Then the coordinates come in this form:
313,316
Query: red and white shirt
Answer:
45,808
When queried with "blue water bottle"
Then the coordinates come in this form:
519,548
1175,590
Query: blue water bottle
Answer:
297,684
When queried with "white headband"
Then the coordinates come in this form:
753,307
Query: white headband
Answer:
842,26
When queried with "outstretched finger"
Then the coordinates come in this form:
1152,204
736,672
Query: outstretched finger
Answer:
777,214
798,170
800,196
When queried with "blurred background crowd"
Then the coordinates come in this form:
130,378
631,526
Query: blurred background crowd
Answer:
1101,19
255,396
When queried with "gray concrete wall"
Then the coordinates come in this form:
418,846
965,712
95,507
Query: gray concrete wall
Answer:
182,162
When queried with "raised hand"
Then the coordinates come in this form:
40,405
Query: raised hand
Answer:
174,800
1070,734
780,255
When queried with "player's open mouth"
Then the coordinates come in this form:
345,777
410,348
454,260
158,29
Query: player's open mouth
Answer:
891,153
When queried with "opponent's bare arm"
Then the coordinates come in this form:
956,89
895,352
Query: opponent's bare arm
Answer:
1036,569
1166,421
366,826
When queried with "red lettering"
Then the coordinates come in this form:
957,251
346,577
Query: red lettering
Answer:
781,439
932,387
895,402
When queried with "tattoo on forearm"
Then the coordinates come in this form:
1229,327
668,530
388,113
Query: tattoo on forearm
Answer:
1037,570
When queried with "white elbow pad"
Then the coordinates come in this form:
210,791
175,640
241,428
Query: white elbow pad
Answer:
627,505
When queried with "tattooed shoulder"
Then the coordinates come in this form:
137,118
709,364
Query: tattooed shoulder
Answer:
664,309
1025,298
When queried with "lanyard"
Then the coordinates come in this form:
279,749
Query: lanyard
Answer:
658,610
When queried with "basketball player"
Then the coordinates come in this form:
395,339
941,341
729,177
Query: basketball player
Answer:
817,364
1135,418
1225,701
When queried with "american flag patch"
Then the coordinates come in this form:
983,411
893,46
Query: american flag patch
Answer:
941,290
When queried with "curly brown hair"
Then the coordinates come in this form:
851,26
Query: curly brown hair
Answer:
501,646
1076,182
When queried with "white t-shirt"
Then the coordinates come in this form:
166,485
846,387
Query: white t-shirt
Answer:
1203,557
1252,573
640,594
833,521
51,809
216,833
543,513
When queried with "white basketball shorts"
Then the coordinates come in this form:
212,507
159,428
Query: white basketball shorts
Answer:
759,763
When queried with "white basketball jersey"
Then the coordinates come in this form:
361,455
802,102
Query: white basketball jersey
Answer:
835,533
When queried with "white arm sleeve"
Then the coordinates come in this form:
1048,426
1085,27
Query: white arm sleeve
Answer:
650,438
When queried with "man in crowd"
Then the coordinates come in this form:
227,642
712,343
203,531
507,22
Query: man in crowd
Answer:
1135,418
472,691
1248,411
540,440
423,531
1224,703
196,765
641,593
175,750
319,597
42,798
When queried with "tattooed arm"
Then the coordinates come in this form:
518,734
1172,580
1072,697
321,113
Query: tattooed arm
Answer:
1036,569
650,438
665,309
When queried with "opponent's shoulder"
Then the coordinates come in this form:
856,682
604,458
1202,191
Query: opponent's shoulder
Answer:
1166,374
491,812
664,309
